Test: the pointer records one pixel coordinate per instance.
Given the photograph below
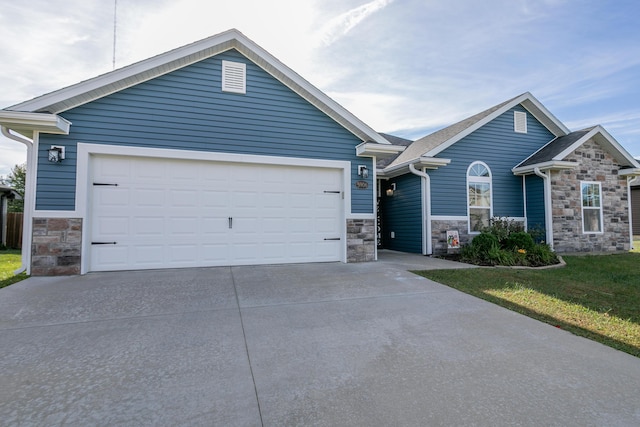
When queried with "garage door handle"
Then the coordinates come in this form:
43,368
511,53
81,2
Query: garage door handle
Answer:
331,238
104,183
104,243
230,222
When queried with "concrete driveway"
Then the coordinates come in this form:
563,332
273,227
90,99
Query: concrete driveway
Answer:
322,344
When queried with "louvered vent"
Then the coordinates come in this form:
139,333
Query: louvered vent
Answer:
234,77
520,122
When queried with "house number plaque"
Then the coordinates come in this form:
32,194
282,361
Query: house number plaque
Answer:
362,185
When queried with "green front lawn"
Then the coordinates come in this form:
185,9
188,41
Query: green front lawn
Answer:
10,261
593,296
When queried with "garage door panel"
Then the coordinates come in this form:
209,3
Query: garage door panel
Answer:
111,226
111,257
183,253
149,197
175,213
183,226
146,226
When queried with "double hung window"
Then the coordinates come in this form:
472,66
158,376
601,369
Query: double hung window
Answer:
591,207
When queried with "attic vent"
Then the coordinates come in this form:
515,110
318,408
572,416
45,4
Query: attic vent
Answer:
520,122
234,77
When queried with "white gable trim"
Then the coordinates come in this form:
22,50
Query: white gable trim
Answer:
607,139
115,81
528,101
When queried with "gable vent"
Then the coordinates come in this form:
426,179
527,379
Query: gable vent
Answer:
520,122
234,77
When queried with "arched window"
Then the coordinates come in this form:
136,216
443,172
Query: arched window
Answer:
479,196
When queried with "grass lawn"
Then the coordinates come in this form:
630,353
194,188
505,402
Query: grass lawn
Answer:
10,261
597,296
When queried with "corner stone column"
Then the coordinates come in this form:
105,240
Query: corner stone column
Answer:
361,242
56,246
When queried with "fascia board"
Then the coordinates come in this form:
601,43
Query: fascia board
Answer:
522,99
28,122
629,172
553,164
422,162
367,149
431,162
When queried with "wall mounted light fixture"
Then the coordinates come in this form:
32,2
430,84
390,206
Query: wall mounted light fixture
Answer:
56,153
363,171
391,189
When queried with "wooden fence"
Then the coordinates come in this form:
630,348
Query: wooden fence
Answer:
14,230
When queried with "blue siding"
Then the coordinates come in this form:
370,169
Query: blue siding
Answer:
186,109
497,145
535,203
402,214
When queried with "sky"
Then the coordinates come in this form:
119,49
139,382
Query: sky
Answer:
405,67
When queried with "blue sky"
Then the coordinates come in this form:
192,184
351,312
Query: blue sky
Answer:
407,67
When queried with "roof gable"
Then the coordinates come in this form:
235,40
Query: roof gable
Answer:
556,151
115,81
433,144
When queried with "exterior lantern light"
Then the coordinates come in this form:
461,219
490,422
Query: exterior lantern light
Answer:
391,189
56,154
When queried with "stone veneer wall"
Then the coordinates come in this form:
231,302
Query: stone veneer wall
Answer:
439,230
56,246
594,164
361,242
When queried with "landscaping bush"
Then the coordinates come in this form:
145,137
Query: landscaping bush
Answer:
519,240
483,242
506,243
541,254
502,228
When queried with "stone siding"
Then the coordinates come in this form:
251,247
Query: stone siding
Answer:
439,230
57,246
596,165
361,242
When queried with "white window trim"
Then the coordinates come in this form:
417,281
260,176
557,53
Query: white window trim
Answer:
488,179
601,208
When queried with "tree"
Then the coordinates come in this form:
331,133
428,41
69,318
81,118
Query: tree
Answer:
16,180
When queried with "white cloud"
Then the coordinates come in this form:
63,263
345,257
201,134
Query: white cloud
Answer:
342,24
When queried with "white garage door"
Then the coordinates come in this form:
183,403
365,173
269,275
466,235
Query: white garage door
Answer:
149,213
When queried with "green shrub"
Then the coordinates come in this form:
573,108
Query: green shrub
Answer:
498,256
483,242
538,233
502,228
519,240
540,255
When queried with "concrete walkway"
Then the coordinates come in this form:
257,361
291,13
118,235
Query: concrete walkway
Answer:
314,345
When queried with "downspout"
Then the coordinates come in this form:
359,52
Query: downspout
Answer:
426,207
548,208
28,201
630,180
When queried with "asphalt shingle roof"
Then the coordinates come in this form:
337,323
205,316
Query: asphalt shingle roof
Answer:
555,147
